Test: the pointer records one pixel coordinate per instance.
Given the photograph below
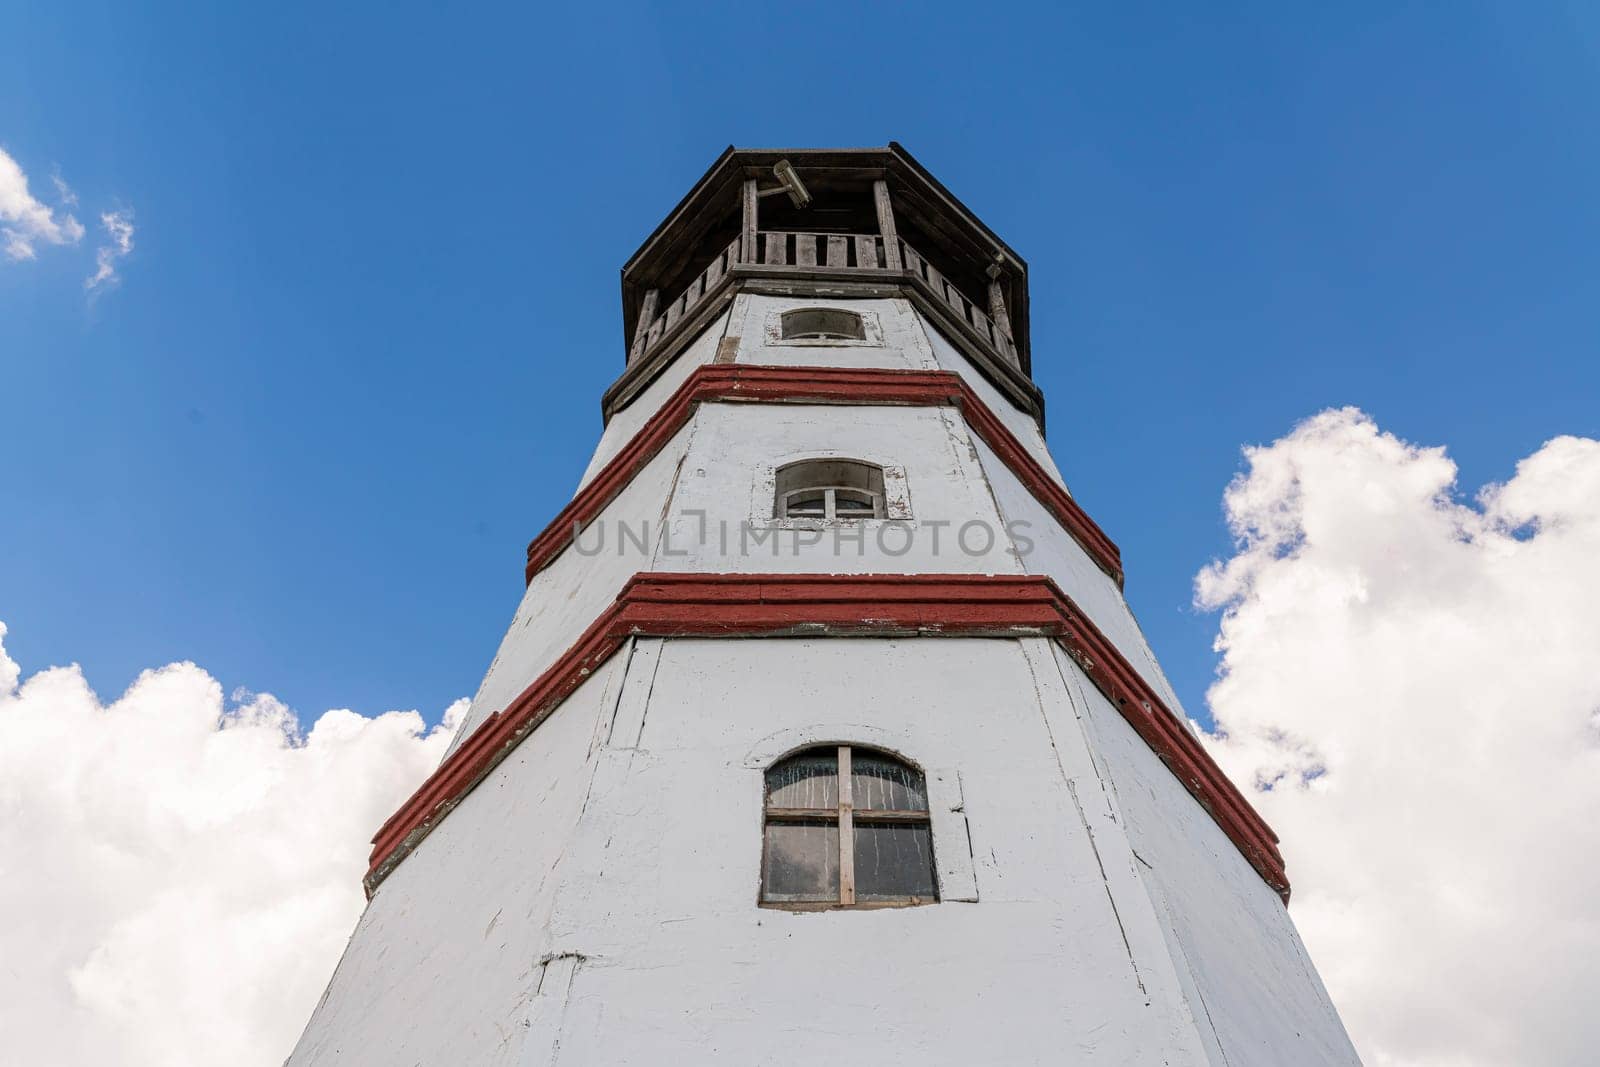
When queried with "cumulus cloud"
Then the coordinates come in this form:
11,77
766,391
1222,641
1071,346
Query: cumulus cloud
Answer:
179,873
119,230
1410,683
24,221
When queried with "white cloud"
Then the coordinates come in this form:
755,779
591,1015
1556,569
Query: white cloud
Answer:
119,228
179,876
64,193
24,221
1417,679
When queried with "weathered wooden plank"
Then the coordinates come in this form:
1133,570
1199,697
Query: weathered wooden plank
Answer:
805,249
838,254
952,296
913,262
747,238
969,311
847,831
891,239
641,328
866,251
774,251
997,309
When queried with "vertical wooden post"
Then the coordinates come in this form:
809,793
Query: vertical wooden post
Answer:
641,328
891,240
847,831
997,301
748,252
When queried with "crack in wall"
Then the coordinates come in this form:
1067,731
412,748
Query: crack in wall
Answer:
549,1009
1152,885
663,540
1083,818
622,692
649,692
1000,514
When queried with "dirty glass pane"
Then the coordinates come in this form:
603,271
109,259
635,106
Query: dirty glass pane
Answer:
807,780
883,784
894,861
850,504
807,505
801,862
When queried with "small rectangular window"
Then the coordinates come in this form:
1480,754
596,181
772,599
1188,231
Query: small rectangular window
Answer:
830,489
812,324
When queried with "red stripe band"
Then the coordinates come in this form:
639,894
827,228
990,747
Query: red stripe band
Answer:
764,605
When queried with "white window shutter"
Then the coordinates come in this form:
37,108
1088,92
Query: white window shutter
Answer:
952,839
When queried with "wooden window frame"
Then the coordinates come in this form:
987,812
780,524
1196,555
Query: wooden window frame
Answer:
833,478
857,334
845,815
830,502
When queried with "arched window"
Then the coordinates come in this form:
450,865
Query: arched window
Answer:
829,489
846,826
822,324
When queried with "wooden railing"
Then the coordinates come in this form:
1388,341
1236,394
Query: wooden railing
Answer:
685,303
868,253
831,251
965,310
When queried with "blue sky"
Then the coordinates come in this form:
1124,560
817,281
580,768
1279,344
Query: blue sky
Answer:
355,358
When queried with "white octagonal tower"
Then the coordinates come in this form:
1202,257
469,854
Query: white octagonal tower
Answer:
823,732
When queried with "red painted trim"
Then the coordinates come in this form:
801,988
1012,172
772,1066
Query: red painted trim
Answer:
766,605
818,385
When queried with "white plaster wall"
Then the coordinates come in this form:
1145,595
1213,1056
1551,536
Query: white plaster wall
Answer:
904,345
734,444
443,964
1229,932
594,900
713,466
910,342
674,962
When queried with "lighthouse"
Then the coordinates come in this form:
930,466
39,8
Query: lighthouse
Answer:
823,732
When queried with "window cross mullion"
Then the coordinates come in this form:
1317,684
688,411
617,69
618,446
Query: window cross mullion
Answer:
847,832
